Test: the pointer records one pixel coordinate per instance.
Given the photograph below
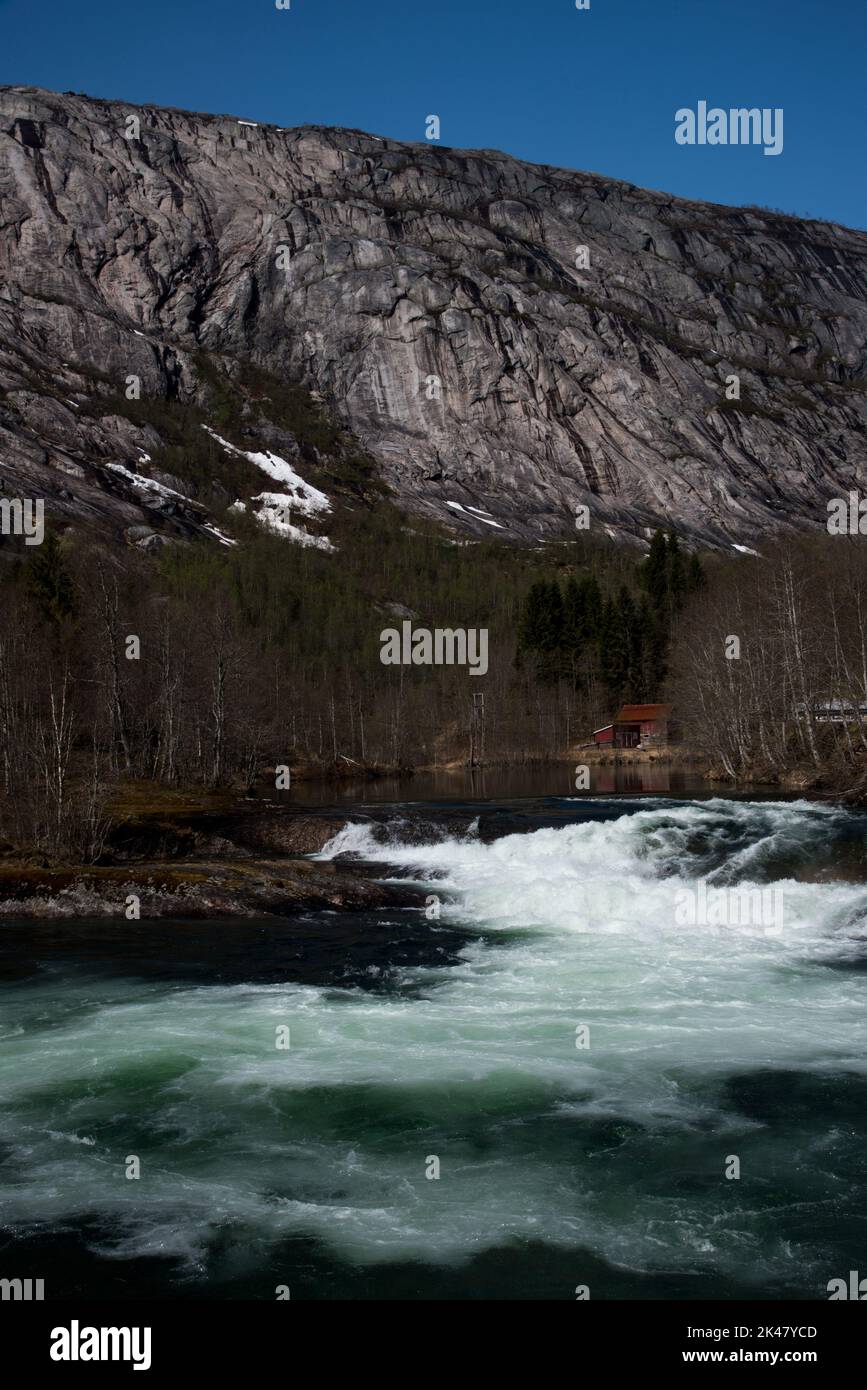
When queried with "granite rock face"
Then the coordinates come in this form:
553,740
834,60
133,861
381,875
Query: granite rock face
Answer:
440,305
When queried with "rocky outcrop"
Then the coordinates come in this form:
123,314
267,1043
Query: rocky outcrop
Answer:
192,888
187,862
439,302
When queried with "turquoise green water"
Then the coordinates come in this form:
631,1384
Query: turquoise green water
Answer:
452,1037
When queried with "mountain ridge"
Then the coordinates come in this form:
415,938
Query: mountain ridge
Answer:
435,303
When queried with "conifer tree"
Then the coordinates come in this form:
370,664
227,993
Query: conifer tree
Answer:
50,582
695,577
551,618
574,627
676,573
631,639
655,573
653,655
542,628
613,650
592,606
530,625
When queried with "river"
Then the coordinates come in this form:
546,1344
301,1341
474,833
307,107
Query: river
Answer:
534,1081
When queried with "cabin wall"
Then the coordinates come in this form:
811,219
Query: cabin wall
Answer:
654,729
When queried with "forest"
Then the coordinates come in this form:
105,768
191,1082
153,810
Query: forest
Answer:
199,665
212,667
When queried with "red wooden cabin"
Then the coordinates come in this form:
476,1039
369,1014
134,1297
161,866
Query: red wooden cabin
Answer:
636,726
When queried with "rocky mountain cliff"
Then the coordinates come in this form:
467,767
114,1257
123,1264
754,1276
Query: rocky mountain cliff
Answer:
440,307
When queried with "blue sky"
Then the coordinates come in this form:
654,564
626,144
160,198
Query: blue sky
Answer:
592,90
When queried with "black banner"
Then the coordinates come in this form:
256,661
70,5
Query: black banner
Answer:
160,1338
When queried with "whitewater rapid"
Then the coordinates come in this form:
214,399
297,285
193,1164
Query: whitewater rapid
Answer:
581,1071
624,875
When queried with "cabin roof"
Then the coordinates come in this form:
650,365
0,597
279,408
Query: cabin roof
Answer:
635,714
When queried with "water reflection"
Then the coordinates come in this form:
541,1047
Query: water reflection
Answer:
499,784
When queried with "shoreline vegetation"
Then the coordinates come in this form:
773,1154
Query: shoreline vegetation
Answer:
190,854
193,853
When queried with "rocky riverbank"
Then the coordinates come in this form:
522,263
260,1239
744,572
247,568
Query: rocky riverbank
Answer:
196,862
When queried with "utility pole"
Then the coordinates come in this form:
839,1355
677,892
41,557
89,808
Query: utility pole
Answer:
477,730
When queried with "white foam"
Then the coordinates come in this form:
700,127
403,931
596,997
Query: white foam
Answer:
563,927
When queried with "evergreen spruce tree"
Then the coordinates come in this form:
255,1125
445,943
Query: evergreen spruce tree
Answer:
655,572
574,628
551,623
676,573
644,687
695,578
551,633
613,650
631,638
531,621
654,648
592,606
49,580
542,628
